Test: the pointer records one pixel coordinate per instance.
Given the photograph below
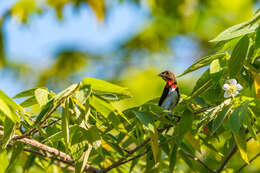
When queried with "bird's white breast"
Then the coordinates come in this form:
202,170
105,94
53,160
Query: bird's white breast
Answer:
170,100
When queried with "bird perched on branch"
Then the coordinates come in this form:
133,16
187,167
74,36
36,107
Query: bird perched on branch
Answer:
171,95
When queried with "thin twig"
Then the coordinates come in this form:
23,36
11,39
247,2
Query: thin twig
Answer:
29,133
242,167
198,160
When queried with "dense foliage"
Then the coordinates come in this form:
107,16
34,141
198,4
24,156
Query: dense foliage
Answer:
82,129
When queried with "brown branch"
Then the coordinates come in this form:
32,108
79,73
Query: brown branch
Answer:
230,154
52,153
242,167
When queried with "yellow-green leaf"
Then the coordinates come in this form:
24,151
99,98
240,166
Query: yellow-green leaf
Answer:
155,144
41,96
240,140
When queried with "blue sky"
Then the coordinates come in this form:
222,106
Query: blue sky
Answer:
35,44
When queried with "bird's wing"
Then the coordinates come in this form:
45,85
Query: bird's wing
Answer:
164,94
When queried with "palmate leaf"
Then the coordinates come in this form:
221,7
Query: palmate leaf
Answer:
236,31
203,62
106,87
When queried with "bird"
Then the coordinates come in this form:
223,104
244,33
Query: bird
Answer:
171,95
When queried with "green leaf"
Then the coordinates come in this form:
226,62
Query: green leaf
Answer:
146,119
10,102
65,124
101,106
29,102
17,149
105,108
45,110
26,93
202,63
173,158
257,39
9,130
82,161
184,125
65,93
237,116
155,144
240,140
236,31
238,56
186,159
203,84
41,96
106,87
220,118
82,94
215,66
7,111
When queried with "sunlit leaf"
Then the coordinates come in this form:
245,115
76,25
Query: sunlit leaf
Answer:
202,63
240,139
106,87
25,93
98,7
7,111
236,31
65,124
41,96
215,66
29,102
155,144
9,130
10,102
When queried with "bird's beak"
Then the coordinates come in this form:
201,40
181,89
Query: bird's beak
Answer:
160,74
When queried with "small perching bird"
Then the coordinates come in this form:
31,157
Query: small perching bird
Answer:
171,95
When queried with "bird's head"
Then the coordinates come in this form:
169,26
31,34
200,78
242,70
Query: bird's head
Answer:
168,76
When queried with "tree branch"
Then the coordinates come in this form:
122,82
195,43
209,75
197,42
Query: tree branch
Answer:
52,153
198,160
230,154
242,167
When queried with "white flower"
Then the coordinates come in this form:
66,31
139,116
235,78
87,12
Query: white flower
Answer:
231,88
